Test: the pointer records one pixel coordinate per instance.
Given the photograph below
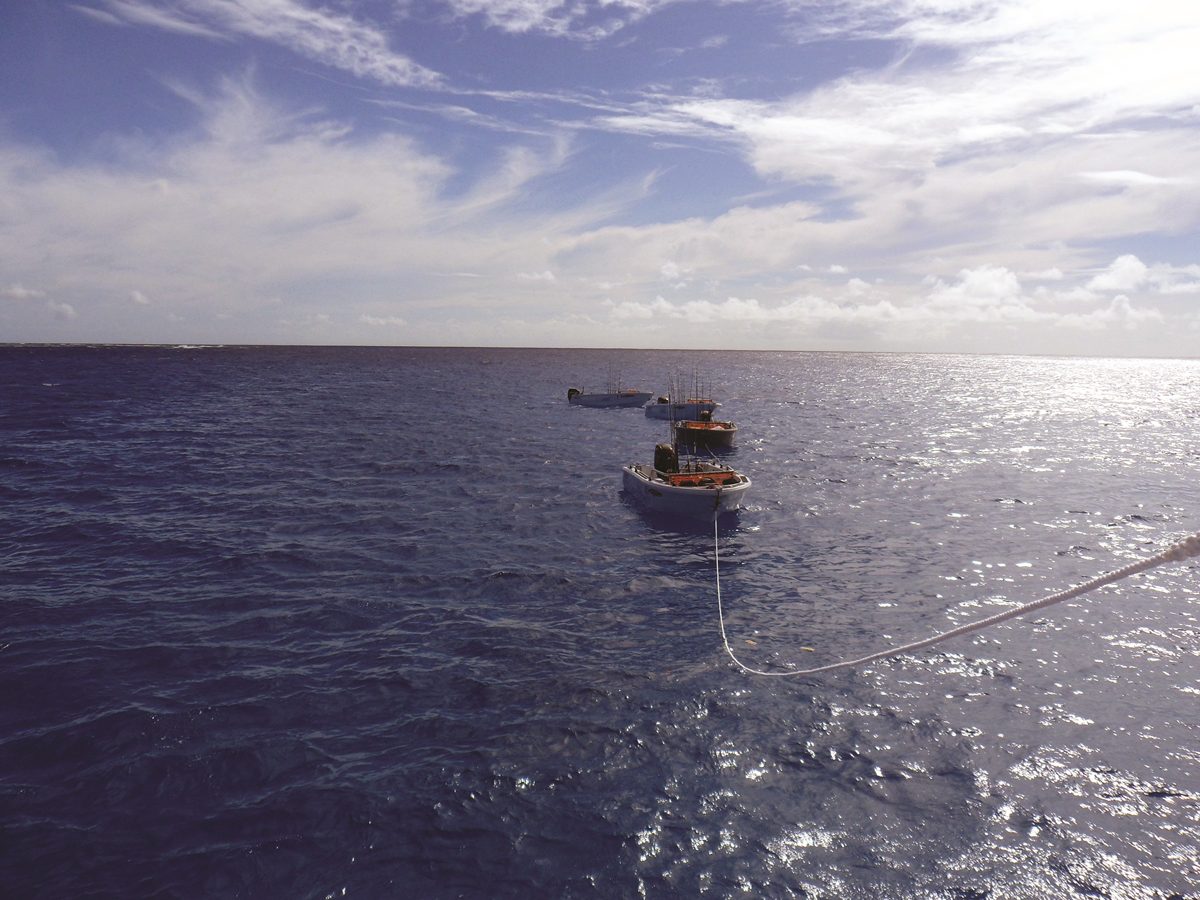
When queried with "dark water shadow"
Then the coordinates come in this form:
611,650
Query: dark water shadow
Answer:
728,523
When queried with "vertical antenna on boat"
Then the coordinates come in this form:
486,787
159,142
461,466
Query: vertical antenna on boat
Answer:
672,398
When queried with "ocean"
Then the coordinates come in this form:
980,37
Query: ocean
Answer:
379,622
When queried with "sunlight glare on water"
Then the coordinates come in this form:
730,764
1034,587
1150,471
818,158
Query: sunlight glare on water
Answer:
299,621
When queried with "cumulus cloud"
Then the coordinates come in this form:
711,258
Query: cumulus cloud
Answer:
732,309
807,309
61,310
24,296
1126,273
986,286
1121,310
676,276
856,287
635,309
984,297
1167,279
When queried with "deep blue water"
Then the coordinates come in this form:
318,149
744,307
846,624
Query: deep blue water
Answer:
299,622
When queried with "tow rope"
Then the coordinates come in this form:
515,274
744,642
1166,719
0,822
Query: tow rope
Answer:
1183,550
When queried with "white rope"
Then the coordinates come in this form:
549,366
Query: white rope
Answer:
1185,549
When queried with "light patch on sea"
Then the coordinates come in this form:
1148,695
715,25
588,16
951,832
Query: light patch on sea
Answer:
792,846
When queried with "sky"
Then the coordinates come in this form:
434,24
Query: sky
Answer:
976,176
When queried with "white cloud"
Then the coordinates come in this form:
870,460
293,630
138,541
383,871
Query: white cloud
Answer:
176,19
923,171
61,310
20,292
575,20
634,309
856,287
987,286
261,199
1167,280
383,321
1126,273
1121,311
23,295
1186,287
975,304
319,34
1020,131
260,204
1052,274
676,276
1129,178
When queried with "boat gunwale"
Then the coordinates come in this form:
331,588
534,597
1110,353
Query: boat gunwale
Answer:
672,480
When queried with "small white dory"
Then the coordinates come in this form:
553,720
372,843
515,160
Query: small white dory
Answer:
693,489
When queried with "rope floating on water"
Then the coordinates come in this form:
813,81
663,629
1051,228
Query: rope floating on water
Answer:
1185,549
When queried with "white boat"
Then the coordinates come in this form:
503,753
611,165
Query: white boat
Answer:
607,399
680,410
691,488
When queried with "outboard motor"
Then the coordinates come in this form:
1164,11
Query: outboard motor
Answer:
665,458
572,393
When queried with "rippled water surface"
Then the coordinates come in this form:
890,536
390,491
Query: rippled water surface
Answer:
379,623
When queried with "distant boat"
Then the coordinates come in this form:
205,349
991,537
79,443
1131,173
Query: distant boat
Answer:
683,403
608,399
689,488
705,433
680,410
614,396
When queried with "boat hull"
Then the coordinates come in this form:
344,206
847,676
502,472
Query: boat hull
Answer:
615,400
679,411
705,435
654,493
